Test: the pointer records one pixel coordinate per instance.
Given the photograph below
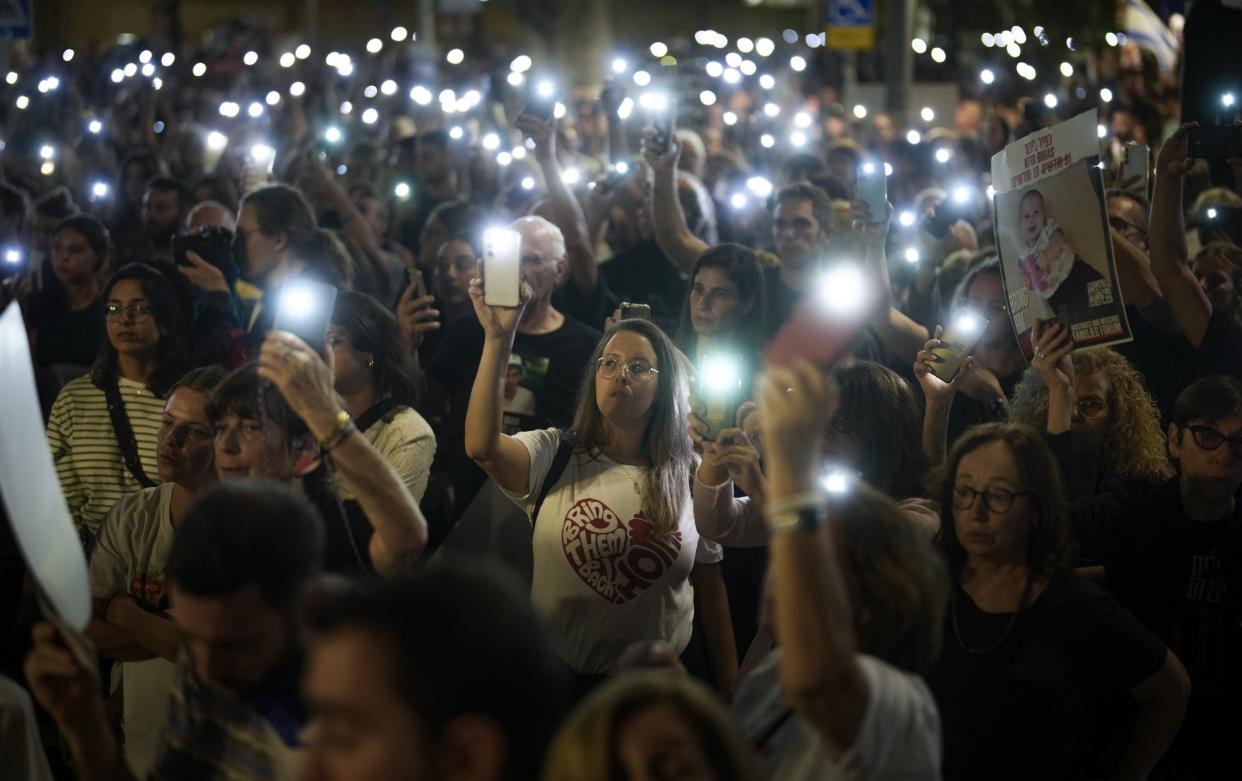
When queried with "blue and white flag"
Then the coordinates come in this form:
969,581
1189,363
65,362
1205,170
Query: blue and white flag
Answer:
1145,28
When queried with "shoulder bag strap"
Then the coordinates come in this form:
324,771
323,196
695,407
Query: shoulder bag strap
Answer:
559,462
125,434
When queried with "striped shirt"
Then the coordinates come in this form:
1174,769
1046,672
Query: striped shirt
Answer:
88,460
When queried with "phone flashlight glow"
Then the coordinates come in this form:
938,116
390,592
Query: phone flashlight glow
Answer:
843,289
297,303
835,480
721,374
967,324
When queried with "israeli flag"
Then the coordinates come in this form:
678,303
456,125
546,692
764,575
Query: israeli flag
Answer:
1145,28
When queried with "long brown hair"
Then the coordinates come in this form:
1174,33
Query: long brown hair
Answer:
880,412
666,443
896,574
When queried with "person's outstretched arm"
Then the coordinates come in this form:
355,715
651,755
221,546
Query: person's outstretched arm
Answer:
505,459
819,666
1167,239
566,212
896,331
671,231
937,398
305,381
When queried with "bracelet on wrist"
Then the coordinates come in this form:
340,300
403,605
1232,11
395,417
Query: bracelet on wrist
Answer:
343,428
794,502
804,519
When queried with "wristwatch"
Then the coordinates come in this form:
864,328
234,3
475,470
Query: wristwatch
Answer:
806,519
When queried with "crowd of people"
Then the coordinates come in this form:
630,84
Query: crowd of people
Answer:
851,568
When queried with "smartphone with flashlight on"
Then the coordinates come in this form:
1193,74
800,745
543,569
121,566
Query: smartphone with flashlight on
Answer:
719,391
541,100
825,325
1220,141
873,190
958,341
635,311
304,309
664,124
502,267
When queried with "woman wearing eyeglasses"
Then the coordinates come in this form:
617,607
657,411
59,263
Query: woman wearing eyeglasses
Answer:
1042,675
1114,428
103,426
614,539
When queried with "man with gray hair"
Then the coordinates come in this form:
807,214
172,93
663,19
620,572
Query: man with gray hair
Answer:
552,348
207,213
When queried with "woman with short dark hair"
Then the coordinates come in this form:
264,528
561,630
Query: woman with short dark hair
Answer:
1036,658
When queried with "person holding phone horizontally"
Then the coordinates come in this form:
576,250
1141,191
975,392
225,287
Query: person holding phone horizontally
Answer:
614,539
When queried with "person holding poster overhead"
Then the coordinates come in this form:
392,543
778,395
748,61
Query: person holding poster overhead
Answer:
1053,236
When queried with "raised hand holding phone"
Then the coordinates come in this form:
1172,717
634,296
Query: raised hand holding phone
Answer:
936,388
502,267
499,322
873,191
966,328
304,308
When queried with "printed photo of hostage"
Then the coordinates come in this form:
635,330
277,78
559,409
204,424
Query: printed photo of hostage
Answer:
1056,254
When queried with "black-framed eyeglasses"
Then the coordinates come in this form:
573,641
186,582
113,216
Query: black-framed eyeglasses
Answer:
979,305
609,368
135,312
1209,438
998,500
1091,406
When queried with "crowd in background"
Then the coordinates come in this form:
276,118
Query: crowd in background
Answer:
1025,570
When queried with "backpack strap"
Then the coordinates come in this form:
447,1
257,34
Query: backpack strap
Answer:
559,462
125,433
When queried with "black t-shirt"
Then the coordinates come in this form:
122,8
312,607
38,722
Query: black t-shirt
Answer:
590,309
66,337
541,387
1181,578
1166,361
782,300
1221,349
1027,709
643,274
966,411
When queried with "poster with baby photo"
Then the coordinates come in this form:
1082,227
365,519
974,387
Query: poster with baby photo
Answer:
1052,235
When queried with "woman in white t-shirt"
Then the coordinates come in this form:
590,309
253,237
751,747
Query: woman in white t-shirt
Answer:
858,596
614,537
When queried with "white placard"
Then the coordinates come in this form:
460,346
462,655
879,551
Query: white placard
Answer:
1052,234
29,485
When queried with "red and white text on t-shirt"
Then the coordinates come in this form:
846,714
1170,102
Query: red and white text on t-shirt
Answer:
618,560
